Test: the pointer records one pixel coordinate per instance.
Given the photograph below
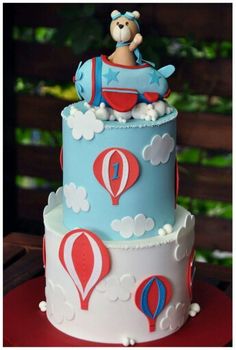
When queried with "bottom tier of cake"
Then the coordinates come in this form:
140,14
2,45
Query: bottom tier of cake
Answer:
144,296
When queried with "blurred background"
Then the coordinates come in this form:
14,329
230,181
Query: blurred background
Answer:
43,44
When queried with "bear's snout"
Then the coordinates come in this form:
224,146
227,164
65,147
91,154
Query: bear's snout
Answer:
120,26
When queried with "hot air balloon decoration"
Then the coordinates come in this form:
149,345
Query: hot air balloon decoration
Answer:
152,295
116,169
190,273
87,261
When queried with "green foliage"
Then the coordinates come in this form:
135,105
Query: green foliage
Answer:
81,29
36,182
188,102
38,137
207,207
40,34
191,155
208,256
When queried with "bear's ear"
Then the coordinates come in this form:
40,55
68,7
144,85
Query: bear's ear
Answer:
115,14
136,14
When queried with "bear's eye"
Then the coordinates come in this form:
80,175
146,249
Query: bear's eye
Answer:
117,23
127,23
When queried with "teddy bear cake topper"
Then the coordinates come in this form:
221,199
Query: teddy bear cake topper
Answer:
124,85
125,31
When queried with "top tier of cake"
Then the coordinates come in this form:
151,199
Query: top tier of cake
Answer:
119,163
118,178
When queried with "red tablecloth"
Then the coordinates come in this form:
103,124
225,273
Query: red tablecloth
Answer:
26,325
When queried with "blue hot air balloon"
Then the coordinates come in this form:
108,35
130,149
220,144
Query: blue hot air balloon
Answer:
152,295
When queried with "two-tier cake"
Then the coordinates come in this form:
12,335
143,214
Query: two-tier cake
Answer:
118,251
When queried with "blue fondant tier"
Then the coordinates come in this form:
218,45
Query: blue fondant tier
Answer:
146,201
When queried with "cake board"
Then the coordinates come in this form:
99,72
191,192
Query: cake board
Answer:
26,325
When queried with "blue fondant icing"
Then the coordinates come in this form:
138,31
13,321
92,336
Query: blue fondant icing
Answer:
98,95
152,194
111,75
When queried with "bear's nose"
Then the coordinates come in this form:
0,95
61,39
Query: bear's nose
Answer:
120,26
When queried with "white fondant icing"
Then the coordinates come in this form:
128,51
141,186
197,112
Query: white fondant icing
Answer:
165,230
168,228
174,317
162,232
144,111
195,307
128,341
117,288
159,150
125,342
76,198
43,306
54,199
121,319
136,226
184,241
132,342
58,308
84,125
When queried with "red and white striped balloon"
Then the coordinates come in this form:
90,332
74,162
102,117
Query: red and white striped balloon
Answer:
86,259
116,169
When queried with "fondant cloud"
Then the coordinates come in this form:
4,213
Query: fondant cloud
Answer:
54,199
159,150
136,226
117,288
57,306
84,125
184,240
76,198
174,317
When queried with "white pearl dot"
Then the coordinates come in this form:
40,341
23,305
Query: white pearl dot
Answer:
195,307
161,232
43,306
192,313
132,342
168,228
125,341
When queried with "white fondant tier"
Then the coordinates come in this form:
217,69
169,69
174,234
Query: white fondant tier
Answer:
112,315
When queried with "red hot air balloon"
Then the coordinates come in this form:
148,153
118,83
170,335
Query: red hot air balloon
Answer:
152,295
190,273
86,259
116,169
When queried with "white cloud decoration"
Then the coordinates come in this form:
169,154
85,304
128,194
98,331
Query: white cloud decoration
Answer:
159,150
58,308
116,288
174,317
54,199
76,198
184,240
84,125
137,226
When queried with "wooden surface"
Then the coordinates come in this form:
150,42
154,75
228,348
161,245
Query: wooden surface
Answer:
172,20
22,257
